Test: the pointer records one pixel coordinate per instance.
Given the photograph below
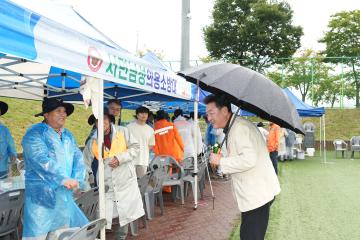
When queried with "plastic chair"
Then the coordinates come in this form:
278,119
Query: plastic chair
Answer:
88,202
153,192
88,232
189,178
165,163
11,205
354,145
340,146
309,127
143,186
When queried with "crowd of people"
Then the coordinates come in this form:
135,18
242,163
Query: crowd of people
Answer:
55,166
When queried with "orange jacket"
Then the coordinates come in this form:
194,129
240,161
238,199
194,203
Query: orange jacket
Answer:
273,138
168,140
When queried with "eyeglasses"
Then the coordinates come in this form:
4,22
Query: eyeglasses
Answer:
115,109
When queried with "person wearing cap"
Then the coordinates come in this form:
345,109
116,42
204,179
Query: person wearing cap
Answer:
7,145
54,169
144,134
121,187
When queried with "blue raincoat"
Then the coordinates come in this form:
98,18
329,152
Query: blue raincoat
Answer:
49,161
7,149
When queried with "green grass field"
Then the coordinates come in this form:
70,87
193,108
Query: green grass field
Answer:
21,116
318,201
341,123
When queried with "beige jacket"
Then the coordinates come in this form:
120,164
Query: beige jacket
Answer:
253,177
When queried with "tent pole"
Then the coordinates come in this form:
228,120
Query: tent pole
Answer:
320,142
100,140
324,138
196,123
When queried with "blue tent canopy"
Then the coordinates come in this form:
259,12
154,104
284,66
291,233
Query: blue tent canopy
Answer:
304,109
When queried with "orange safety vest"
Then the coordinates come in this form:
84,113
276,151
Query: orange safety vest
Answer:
273,138
168,140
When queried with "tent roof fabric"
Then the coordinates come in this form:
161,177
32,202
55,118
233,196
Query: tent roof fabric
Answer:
56,35
304,109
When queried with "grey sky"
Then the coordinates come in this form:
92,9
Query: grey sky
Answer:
157,22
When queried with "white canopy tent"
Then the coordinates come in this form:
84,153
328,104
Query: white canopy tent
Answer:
44,32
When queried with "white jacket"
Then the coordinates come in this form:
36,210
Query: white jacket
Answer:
123,179
186,131
254,181
199,136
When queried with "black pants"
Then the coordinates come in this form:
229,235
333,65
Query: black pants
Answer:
274,160
94,168
254,223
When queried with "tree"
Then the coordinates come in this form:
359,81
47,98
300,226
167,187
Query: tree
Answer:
343,44
252,33
305,72
329,90
278,78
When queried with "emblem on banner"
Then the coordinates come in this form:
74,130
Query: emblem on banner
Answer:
94,60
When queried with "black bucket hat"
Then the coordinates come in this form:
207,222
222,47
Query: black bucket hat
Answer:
260,124
50,104
3,108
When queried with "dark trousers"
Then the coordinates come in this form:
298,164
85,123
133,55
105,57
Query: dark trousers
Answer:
274,160
94,168
254,223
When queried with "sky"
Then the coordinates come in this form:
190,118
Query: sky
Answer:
156,24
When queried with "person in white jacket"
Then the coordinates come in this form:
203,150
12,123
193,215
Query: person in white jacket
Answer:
196,127
186,131
254,181
121,187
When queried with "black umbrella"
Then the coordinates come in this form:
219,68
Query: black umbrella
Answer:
248,90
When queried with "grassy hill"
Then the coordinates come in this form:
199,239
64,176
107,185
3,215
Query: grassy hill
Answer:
21,113
340,123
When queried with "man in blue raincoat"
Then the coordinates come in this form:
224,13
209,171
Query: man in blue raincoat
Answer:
54,167
7,145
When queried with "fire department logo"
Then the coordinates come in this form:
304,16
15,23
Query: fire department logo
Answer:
94,60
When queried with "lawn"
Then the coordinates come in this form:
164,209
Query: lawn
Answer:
318,201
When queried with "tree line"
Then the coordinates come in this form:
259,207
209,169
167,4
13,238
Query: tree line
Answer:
259,34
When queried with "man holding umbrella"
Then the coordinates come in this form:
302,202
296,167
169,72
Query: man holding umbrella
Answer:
255,183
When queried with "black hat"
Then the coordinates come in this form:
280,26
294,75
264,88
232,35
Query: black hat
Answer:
3,108
50,104
92,119
260,124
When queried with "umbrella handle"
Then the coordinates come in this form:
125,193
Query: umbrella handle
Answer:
231,124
